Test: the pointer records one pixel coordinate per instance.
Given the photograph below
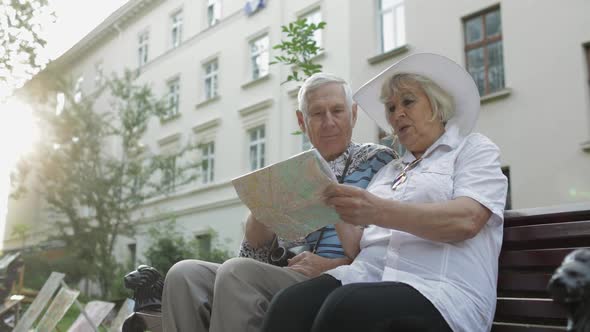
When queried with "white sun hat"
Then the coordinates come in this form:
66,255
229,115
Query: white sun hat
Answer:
449,75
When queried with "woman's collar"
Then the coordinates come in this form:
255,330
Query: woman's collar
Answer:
450,138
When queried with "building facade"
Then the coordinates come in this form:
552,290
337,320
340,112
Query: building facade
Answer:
530,59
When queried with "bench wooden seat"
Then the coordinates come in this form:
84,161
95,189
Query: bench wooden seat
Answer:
535,243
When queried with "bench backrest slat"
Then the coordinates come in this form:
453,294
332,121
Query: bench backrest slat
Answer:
550,215
522,309
531,284
501,327
560,231
546,259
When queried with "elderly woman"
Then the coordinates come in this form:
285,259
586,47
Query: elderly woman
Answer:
430,223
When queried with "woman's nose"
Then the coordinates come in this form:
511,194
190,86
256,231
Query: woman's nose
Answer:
398,113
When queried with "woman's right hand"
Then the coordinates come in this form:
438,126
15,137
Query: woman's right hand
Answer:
354,205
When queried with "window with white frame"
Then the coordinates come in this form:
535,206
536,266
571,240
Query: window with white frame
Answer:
315,17
132,247
208,162
176,29
98,74
78,89
139,180
173,97
203,244
392,25
259,56
169,173
142,48
256,147
213,12
210,70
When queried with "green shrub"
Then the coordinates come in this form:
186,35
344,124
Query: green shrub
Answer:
169,246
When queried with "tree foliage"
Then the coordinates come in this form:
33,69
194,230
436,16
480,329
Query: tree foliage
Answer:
299,49
169,246
21,39
93,171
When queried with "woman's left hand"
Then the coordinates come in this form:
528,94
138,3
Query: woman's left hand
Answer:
354,205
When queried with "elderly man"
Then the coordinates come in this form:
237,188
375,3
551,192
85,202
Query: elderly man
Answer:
234,296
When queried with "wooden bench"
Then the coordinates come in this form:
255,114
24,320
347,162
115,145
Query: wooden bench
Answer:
535,243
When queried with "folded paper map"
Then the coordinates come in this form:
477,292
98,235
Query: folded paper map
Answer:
287,196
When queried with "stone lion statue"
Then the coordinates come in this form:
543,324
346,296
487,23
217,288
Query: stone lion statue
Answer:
570,287
147,285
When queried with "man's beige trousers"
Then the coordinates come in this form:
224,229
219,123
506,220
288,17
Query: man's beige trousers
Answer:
232,297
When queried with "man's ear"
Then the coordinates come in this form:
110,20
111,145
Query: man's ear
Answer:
354,109
301,121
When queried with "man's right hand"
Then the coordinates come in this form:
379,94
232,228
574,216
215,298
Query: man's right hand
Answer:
257,234
313,265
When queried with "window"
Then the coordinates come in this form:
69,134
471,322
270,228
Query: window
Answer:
392,25
256,148
506,171
259,56
208,162
587,49
142,48
169,173
315,17
213,12
204,245
387,140
252,6
210,69
483,50
78,89
99,74
173,97
132,247
176,29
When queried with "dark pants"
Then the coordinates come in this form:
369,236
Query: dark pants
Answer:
322,304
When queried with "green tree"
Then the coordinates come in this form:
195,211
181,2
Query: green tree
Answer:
92,171
299,49
21,231
22,39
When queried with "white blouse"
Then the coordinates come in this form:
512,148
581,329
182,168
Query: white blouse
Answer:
458,278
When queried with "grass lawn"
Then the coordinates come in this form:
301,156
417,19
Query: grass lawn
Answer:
68,319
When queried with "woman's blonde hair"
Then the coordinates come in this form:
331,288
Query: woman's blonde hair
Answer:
441,102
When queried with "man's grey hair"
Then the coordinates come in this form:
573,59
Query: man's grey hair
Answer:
441,101
317,80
